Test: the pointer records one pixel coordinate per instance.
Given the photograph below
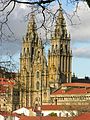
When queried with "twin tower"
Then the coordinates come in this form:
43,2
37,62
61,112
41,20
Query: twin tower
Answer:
39,75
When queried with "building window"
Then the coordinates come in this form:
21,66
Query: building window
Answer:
66,114
61,48
59,114
4,105
24,50
55,101
45,94
52,47
36,99
38,55
56,47
27,50
66,48
37,85
37,75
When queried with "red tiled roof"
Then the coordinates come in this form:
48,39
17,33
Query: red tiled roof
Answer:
60,107
84,116
3,90
40,118
77,91
77,84
51,107
3,113
5,81
88,90
71,91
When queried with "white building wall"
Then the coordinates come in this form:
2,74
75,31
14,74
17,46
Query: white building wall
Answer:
1,117
62,113
22,111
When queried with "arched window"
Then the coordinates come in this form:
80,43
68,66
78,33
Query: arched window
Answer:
56,47
37,85
55,101
66,48
37,74
24,50
38,54
27,50
36,99
45,94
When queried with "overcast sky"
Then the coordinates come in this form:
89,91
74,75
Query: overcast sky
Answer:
80,37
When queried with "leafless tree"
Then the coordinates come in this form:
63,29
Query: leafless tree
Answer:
43,7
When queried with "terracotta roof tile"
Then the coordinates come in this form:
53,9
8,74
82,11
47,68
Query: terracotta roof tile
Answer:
40,118
3,113
84,116
51,107
61,107
71,91
77,84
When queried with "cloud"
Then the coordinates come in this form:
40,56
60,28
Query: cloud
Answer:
81,52
80,31
18,26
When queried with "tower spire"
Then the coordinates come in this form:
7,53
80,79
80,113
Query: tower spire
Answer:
32,35
59,57
60,27
31,24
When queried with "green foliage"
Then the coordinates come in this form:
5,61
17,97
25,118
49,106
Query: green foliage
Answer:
53,114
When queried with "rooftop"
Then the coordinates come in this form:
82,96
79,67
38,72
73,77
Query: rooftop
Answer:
84,116
77,84
40,118
73,88
63,107
71,91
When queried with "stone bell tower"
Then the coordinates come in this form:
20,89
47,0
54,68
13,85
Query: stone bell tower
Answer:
60,55
33,68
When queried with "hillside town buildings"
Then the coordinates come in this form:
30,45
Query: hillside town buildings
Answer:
72,94
6,89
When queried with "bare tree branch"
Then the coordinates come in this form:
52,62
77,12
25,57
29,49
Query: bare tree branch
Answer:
36,2
44,5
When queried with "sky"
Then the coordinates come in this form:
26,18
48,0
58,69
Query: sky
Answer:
79,31
80,36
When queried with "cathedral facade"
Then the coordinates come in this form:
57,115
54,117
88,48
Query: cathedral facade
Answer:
40,75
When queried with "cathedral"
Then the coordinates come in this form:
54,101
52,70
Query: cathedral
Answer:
40,75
